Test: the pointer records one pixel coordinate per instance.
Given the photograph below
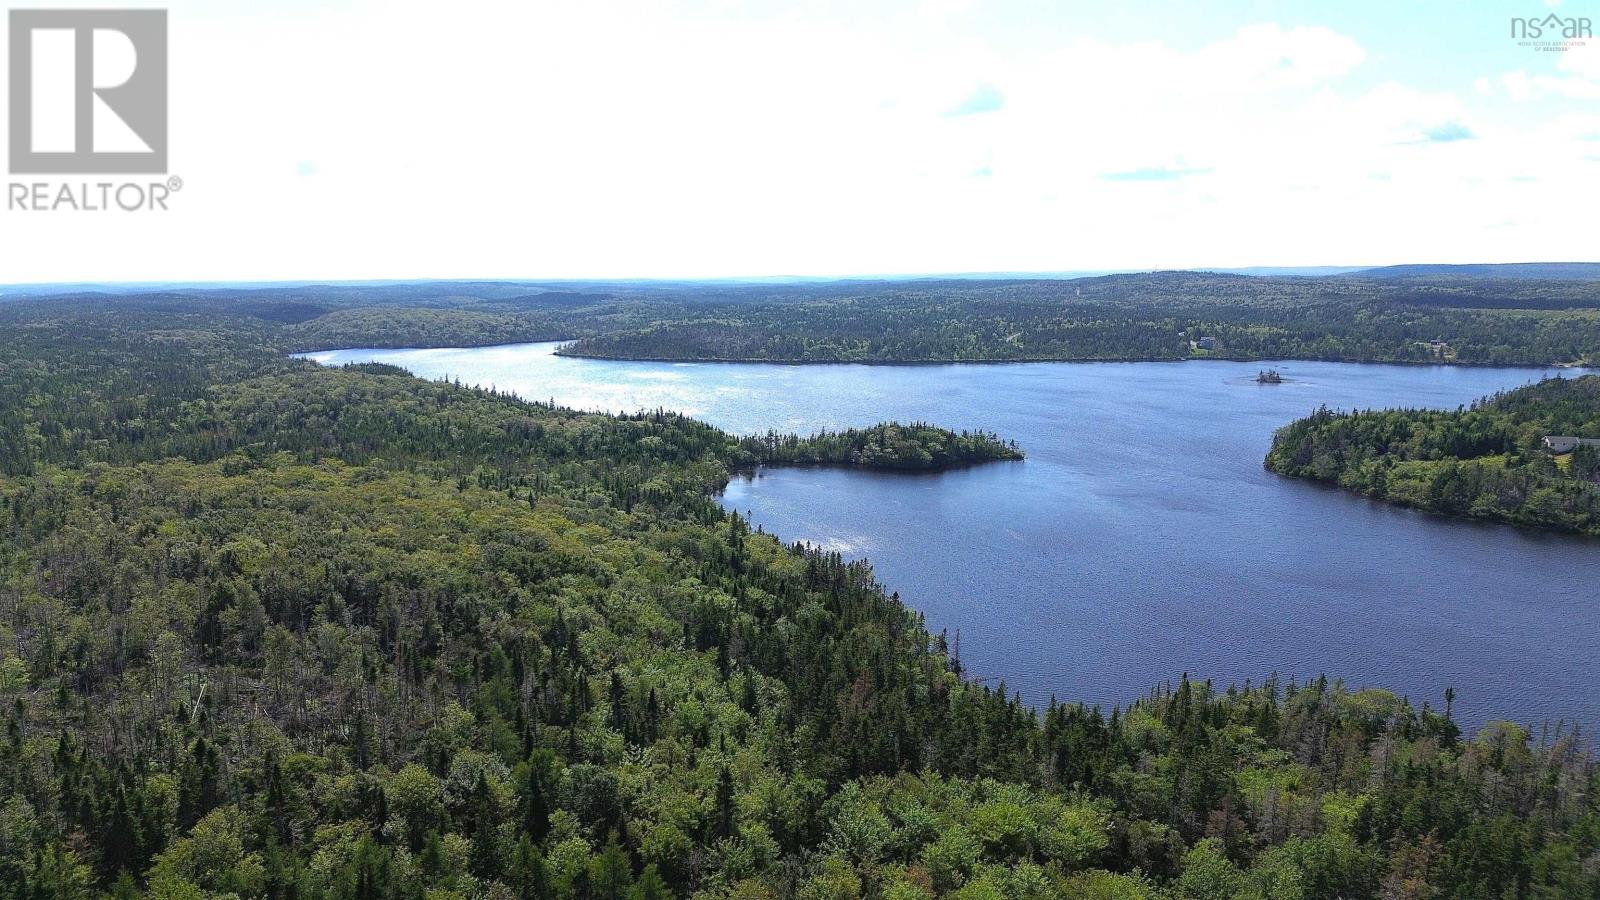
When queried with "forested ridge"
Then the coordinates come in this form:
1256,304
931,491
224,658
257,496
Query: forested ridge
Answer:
274,630
1487,461
1155,316
1527,315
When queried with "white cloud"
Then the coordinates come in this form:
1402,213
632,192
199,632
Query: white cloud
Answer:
512,139
1582,60
1523,87
1578,78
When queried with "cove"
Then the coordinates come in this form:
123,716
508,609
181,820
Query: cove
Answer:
1141,538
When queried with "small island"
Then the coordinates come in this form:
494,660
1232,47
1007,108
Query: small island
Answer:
1269,376
918,447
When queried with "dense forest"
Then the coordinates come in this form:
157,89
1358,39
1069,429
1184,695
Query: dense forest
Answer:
1486,462
917,447
272,630
1159,316
1532,315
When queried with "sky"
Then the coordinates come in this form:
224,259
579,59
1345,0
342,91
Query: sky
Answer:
368,139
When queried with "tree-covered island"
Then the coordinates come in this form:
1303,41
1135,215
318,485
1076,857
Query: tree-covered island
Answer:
915,447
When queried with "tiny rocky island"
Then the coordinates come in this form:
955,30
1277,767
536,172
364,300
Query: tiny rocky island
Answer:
917,447
1269,376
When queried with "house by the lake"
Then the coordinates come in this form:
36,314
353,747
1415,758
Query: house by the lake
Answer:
1557,443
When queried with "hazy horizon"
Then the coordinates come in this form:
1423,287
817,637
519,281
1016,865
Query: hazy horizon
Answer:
1047,275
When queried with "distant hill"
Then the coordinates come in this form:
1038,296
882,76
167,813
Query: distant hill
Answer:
1480,315
569,291
1584,271
1290,271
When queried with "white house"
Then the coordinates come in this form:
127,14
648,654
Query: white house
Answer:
1556,443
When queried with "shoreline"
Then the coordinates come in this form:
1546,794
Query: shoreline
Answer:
561,352
753,470
564,354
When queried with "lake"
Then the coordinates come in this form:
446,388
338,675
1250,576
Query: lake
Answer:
1141,538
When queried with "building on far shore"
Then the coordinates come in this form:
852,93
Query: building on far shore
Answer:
1557,443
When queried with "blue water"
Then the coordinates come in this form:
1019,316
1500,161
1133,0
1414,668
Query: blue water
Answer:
1141,538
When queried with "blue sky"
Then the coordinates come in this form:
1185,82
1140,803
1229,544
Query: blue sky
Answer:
507,138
